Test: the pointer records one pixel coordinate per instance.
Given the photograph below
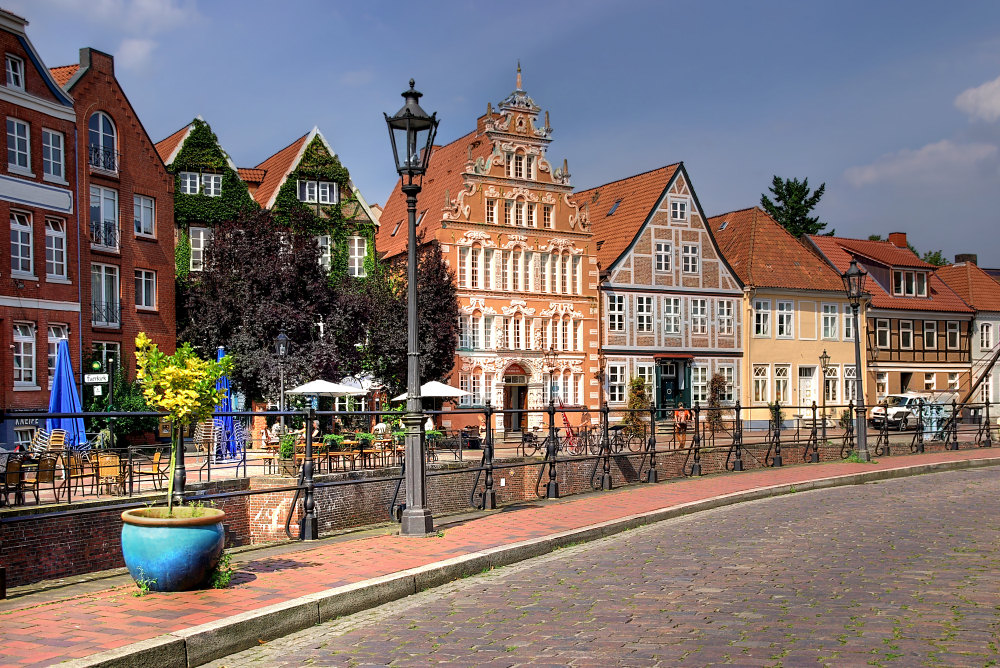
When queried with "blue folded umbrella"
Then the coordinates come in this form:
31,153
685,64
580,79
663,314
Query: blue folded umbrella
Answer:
228,446
64,399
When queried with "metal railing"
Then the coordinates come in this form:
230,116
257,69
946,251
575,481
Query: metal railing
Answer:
106,314
104,158
104,233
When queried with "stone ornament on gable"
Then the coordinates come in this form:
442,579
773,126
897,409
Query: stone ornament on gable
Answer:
456,208
521,192
475,236
491,191
547,198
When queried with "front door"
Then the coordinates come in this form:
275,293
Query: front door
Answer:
668,388
514,398
807,385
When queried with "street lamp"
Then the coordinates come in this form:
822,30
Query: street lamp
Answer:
281,342
824,361
854,285
550,364
413,130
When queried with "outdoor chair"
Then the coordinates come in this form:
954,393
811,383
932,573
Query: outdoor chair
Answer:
109,473
39,442
12,482
44,475
150,467
206,435
57,440
79,471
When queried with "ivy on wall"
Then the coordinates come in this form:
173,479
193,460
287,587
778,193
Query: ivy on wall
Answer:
182,256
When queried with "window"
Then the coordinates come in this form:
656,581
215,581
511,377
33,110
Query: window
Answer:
831,384
850,383
516,269
881,384
105,295
517,324
321,192
760,374
662,257
463,384
906,334
848,323
728,390
616,313
23,437
786,315
189,183
644,314
725,307
986,336
504,270
357,249
921,284
954,330
488,269
616,383
671,315
645,371
614,207
52,155
984,389
24,353
463,267
578,280
145,289
463,331
325,244
530,208
953,381
699,384
211,184
200,237
699,316
508,212
930,381
143,208
491,212
678,209
474,337
55,248
477,388
762,317
18,146
782,388
106,352
104,217
22,258
518,166
689,261
56,333
102,148
547,216
488,343
15,72
930,335
882,334
474,268
830,327
909,283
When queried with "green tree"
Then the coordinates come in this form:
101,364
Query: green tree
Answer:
716,388
792,205
935,257
638,407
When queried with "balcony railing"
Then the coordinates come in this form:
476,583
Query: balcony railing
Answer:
106,314
103,158
104,233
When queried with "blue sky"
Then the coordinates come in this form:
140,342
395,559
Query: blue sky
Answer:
894,105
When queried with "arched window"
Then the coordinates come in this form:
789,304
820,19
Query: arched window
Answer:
517,270
565,333
474,266
102,140
567,264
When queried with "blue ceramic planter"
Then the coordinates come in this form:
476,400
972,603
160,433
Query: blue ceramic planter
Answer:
172,553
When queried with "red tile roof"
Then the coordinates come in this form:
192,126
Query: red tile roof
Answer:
63,73
444,173
167,147
636,196
885,253
973,285
276,168
766,255
839,251
251,175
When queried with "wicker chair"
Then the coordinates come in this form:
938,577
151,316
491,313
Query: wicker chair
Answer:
12,481
45,475
109,473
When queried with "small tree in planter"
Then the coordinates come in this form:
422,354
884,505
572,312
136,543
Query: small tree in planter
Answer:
716,388
638,405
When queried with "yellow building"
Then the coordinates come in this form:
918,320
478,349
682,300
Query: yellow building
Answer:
794,310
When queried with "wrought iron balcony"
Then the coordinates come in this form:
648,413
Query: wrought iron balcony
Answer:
104,233
106,314
103,158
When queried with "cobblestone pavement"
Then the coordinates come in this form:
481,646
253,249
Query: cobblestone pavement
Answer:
903,572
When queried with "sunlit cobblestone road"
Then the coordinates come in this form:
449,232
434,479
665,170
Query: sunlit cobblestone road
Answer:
903,572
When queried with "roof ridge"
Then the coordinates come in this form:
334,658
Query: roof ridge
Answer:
751,245
728,213
629,178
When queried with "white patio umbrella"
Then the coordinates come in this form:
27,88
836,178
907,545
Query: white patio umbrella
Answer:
436,389
324,388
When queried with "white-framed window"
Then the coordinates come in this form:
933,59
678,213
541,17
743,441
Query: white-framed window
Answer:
699,385
578,281
200,238
547,216
463,267
662,257
491,212
882,333
24,354
729,388
616,313
23,437
105,352
671,315
104,217
689,260
725,307
102,148
508,212
105,295
22,256
463,331
53,155
18,146
644,314
762,317
464,385
831,384
56,334
645,371
488,269
930,335
782,383
144,210
211,184
318,192
930,382
357,249
848,323
474,267
954,334
850,383
488,342
475,340
190,183
761,372
55,248
699,316
830,324
881,384
909,283
786,319
145,289
325,244
906,334
518,166
953,381
617,380
985,390
985,336
678,209
476,387
15,72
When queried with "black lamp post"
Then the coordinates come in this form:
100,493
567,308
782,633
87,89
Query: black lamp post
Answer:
281,342
550,364
412,130
824,361
854,285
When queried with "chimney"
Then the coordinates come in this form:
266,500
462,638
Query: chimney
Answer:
971,258
898,239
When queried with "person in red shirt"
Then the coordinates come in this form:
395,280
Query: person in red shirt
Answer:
681,418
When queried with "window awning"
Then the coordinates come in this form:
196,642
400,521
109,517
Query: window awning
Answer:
673,356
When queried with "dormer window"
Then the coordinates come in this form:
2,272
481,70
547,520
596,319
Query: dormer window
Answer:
678,209
15,72
318,192
909,283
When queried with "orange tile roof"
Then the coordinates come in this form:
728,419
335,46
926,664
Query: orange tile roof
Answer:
276,168
63,73
885,252
973,285
838,252
251,175
166,147
636,196
766,255
444,173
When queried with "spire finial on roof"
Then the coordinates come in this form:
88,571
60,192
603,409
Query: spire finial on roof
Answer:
518,74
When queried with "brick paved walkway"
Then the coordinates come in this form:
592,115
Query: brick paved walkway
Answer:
902,573
89,623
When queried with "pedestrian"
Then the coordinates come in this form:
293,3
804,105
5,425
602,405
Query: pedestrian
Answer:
681,418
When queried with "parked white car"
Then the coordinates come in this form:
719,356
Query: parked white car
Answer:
900,410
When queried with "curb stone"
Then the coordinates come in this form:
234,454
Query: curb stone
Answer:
200,644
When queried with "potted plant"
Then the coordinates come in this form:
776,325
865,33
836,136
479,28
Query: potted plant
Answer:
175,548
286,452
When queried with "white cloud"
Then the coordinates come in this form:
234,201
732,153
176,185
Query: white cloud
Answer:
146,17
923,164
134,54
982,102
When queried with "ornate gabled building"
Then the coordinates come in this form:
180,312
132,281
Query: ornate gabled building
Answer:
524,263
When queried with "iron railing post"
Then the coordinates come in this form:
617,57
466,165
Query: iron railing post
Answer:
552,488
310,524
738,439
651,474
696,441
918,438
606,483
776,460
847,446
180,473
813,438
988,441
954,425
489,495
